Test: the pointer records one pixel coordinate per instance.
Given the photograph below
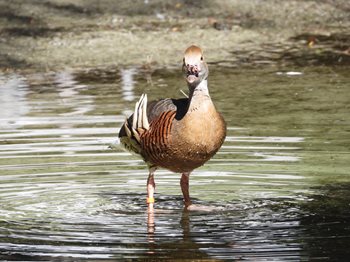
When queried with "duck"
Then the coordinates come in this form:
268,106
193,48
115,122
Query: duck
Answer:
177,134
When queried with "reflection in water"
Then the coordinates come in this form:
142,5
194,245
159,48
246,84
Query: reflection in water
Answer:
180,245
69,92
151,227
127,83
251,231
65,196
13,90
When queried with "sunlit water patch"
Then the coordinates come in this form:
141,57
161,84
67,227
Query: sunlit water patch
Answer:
266,196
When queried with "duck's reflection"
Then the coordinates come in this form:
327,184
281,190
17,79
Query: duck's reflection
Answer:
183,247
185,224
151,229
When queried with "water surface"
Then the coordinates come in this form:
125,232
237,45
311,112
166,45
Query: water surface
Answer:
277,190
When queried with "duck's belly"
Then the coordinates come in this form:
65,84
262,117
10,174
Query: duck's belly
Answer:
188,158
180,159
183,155
187,146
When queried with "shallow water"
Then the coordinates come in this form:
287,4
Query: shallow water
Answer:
278,190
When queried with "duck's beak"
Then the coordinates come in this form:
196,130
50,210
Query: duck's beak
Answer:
192,73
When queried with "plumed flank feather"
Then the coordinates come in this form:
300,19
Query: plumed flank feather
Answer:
134,126
140,120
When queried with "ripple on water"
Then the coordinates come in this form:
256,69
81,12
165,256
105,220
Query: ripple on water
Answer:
65,195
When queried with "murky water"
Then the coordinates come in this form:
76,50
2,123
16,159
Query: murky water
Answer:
277,190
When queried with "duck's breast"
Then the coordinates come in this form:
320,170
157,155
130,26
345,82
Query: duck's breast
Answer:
197,137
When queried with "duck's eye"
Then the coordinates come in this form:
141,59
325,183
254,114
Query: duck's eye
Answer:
201,58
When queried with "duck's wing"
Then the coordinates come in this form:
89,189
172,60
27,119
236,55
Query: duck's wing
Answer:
146,113
156,108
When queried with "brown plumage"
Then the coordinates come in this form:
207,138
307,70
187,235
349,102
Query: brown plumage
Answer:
177,134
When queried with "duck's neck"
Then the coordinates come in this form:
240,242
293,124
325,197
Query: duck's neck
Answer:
199,96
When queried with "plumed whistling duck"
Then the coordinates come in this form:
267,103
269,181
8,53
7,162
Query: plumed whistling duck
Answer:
177,134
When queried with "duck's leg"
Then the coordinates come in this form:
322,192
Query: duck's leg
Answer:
151,186
184,182
150,201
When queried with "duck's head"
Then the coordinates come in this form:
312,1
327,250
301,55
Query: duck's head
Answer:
194,67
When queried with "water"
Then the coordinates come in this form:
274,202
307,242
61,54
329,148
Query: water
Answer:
278,190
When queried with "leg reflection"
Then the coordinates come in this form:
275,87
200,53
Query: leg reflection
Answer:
168,244
151,229
185,224
150,220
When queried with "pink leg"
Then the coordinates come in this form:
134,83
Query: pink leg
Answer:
150,202
151,186
184,182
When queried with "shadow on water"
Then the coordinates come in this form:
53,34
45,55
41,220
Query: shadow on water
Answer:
278,190
326,221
